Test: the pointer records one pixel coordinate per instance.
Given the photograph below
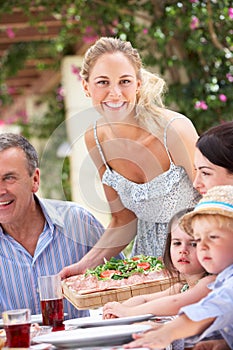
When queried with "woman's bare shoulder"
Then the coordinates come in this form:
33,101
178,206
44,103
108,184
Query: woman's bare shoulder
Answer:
179,121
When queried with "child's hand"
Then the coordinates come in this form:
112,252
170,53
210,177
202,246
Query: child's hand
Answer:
114,309
152,339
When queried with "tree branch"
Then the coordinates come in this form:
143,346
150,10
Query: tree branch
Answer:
213,34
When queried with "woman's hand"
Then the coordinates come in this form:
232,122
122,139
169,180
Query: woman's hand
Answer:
71,270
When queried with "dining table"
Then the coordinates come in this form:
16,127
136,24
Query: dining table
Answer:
95,333
91,333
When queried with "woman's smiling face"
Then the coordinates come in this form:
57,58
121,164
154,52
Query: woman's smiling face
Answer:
208,174
113,86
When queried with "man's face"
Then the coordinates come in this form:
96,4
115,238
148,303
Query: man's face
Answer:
16,186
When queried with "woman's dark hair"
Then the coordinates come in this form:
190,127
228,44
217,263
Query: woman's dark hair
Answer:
167,253
216,144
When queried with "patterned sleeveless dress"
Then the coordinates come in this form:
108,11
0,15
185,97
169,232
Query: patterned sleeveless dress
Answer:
153,202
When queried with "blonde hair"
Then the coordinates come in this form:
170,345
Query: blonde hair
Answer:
149,109
223,222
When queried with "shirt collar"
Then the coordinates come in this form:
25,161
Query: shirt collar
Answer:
51,215
223,276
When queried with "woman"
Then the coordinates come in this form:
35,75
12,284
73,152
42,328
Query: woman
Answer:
213,158
143,152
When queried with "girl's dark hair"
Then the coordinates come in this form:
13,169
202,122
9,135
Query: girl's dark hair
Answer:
167,253
216,144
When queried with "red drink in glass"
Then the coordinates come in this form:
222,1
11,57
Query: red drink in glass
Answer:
53,314
18,335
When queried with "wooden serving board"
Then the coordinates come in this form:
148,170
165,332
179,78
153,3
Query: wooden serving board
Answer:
97,299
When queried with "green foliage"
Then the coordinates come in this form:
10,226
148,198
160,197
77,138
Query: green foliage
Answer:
50,127
42,125
190,42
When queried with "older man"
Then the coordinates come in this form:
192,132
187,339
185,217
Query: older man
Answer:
37,236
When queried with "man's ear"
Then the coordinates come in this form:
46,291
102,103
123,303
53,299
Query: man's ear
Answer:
36,180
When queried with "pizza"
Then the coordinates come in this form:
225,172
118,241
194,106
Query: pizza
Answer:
117,273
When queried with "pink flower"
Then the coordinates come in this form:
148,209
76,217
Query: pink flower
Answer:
230,12
194,23
201,105
89,29
90,39
222,98
145,31
76,71
60,93
10,33
193,1
11,90
229,77
115,22
2,123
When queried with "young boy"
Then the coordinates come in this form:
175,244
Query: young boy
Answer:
211,225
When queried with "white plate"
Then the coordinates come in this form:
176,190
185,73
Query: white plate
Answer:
34,319
96,336
84,322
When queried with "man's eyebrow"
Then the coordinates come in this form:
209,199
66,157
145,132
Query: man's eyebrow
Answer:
9,173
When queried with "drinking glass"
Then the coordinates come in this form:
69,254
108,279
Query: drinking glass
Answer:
17,324
51,301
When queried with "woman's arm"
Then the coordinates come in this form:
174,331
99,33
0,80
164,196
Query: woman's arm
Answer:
120,231
165,306
181,141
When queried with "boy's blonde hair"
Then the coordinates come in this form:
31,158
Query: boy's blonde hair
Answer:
221,221
218,201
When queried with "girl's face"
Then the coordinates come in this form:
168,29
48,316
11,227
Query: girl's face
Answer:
209,174
214,244
183,252
113,86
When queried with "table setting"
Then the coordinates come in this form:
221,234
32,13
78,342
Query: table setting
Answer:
50,330
94,332
88,333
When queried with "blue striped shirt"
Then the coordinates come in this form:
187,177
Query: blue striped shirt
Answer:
70,232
